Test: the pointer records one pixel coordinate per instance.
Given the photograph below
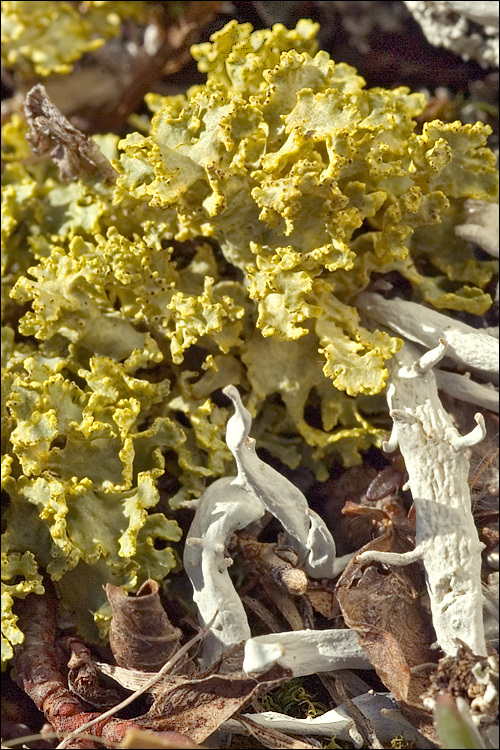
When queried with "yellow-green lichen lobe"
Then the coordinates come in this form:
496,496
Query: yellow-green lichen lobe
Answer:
230,251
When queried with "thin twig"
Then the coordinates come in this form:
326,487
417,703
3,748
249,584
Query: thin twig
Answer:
55,736
363,725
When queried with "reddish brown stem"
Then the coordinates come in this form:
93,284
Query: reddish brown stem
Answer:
37,671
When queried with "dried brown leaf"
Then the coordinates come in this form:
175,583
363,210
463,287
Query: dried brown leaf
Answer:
198,707
141,635
83,679
384,608
323,599
389,480
52,135
103,725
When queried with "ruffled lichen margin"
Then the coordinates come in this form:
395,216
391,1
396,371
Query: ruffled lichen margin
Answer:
230,250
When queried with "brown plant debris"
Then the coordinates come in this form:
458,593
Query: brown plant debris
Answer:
141,635
164,51
473,678
83,677
141,740
323,599
271,737
276,578
51,135
385,609
363,725
273,561
37,671
389,480
188,707
198,707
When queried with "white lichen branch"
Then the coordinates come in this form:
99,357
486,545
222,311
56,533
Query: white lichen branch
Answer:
481,225
468,346
380,709
463,388
222,510
305,652
436,460
306,531
234,503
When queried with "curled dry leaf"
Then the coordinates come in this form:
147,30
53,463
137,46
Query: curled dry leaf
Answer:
384,608
141,635
52,135
83,679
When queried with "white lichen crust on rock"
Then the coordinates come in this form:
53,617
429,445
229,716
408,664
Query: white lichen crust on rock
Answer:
447,541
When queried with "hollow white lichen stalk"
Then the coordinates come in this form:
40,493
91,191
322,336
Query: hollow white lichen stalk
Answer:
436,460
231,504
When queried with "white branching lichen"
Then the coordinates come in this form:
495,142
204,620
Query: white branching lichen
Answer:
222,510
306,652
466,345
306,531
380,709
470,29
436,460
465,389
231,504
